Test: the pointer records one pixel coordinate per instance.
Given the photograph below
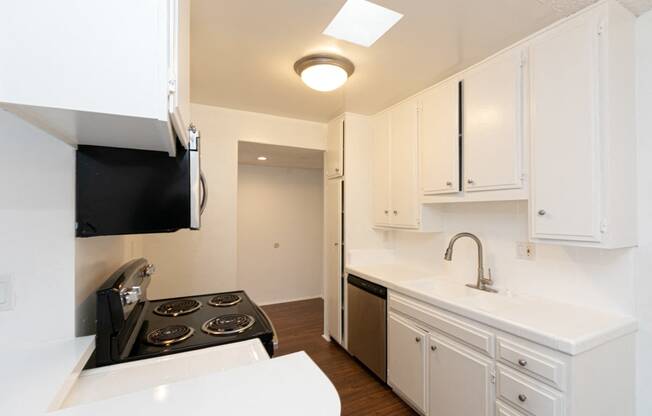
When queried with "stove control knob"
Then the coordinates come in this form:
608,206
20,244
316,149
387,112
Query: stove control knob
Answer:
131,295
149,270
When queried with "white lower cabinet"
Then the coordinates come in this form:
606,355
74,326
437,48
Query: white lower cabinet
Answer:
528,395
504,410
460,380
437,365
406,360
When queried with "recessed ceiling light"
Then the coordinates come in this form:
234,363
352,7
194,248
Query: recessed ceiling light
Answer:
362,22
324,72
262,158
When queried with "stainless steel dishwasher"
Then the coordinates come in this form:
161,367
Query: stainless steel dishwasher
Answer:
367,319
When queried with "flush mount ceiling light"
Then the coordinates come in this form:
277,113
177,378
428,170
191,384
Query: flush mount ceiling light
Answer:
362,22
324,72
262,158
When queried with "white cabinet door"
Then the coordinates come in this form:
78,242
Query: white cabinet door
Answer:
403,165
493,132
104,73
179,63
333,260
565,200
381,174
459,380
439,141
335,148
406,360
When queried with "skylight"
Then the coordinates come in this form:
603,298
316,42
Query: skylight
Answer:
362,22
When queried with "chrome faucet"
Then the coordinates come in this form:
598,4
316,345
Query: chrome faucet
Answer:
482,283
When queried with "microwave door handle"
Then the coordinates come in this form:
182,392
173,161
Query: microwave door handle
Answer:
204,193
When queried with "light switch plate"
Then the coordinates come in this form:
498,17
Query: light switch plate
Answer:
6,293
526,251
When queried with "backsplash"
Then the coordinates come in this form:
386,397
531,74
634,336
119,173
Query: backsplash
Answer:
584,276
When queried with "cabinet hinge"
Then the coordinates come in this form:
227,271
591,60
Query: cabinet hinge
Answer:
492,378
603,226
600,28
172,86
523,59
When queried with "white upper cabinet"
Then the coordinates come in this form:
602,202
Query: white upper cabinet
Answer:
403,165
582,126
493,127
334,165
439,140
380,163
395,171
110,73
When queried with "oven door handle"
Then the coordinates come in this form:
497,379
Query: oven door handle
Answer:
275,336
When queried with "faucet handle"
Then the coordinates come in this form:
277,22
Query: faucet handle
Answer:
488,280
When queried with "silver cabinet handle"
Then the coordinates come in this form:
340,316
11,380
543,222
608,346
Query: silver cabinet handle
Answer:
541,212
417,339
470,181
522,397
433,347
204,198
449,183
522,362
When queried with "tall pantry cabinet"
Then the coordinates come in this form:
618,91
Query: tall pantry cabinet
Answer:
334,230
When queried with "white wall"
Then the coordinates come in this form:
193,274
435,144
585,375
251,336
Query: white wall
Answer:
55,275
643,275
192,262
37,240
96,259
284,206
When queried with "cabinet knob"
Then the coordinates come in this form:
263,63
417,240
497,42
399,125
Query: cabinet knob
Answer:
395,212
433,347
449,184
386,212
522,362
522,397
337,169
470,181
541,212
337,244
417,339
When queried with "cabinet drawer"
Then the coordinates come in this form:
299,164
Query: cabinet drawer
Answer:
527,394
545,368
471,335
504,410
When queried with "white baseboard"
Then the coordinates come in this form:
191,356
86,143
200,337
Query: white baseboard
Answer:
274,302
326,337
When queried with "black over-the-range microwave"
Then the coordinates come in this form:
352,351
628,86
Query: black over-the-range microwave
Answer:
126,191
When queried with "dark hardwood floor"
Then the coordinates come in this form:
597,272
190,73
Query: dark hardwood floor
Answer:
299,326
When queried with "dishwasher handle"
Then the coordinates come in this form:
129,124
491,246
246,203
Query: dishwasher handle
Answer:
368,286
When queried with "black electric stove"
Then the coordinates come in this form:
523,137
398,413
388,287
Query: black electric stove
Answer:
131,328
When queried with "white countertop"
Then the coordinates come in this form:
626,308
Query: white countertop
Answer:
35,378
40,379
288,385
567,328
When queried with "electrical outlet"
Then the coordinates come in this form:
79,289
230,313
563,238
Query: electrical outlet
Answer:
6,293
526,251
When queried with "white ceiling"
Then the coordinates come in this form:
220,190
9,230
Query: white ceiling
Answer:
279,156
242,52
